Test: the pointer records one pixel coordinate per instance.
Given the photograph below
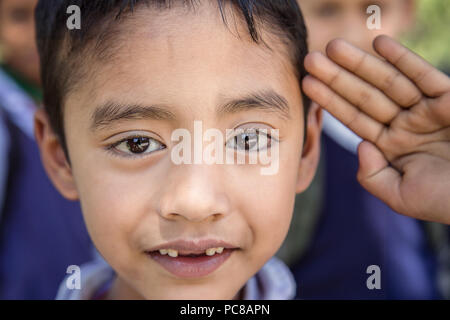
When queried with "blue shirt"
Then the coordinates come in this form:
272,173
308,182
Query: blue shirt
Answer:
41,233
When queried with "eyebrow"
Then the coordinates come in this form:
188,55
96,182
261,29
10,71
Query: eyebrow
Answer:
109,113
268,101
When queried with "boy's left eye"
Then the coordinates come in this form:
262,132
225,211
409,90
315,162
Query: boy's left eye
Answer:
138,146
250,140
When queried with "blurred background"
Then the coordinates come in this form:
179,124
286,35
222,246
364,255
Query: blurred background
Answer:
430,36
339,230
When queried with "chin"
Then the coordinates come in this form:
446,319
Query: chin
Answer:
192,293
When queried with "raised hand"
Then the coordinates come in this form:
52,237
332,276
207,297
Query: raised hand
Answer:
400,106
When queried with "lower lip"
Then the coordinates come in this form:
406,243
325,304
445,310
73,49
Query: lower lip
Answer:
191,267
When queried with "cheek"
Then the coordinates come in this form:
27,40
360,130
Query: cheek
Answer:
112,204
270,207
108,211
270,221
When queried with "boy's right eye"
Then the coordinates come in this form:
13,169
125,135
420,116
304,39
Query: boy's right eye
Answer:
136,146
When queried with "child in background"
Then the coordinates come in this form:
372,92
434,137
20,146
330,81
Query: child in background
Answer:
356,229
41,233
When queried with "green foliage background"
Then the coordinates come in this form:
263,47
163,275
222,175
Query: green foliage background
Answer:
431,36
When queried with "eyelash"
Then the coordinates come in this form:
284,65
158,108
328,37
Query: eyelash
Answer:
111,149
258,132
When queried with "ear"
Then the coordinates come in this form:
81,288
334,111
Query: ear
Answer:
311,149
53,157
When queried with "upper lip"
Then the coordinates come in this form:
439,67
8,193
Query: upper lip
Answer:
193,247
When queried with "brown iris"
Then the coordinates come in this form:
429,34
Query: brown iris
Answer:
138,145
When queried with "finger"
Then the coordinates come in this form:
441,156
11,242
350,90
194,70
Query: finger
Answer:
440,108
373,70
430,81
428,116
358,92
377,177
357,121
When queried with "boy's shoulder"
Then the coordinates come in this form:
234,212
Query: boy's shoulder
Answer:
274,281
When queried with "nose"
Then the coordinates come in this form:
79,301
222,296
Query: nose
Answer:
194,193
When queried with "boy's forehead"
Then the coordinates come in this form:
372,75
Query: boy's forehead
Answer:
184,59
173,34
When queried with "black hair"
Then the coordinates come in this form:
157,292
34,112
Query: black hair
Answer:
61,49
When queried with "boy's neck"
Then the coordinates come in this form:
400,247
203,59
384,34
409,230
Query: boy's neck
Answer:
33,90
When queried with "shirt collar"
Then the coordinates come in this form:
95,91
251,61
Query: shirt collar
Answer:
342,135
274,281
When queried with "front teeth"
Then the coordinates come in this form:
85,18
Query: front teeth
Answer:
219,250
213,251
174,253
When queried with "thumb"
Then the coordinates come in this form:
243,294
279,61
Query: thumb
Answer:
377,177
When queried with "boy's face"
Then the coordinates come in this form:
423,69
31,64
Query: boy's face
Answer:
330,19
17,37
186,65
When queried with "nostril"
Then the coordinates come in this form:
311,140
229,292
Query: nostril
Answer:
172,216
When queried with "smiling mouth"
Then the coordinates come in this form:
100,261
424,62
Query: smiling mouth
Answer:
174,253
184,264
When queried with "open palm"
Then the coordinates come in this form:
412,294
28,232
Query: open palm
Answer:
400,106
